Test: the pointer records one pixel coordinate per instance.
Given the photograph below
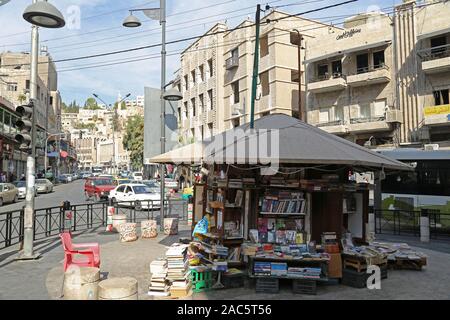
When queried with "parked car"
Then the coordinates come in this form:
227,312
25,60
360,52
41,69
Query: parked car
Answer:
8,193
137,176
22,189
85,175
138,195
65,178
44,186
98,188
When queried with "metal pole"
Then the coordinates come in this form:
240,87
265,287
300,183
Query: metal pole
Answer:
28,250
163,108
255,67
299,46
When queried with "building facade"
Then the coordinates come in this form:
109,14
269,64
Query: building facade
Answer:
383,80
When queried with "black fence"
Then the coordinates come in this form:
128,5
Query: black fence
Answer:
50,222
397,222
407,223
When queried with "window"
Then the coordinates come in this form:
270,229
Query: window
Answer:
51,100
324,115
294,76
193,133
179,115
201,71
441,97
235,53
322,71
193,77
437,44
6,122
121,189
210,68
339,114
201,101
364,111
210,100
362,63
378,59
336,68
210,129
185,111
202,131
194,111
265,86
379,107
264,43
27,84
235,89
12,87
186,83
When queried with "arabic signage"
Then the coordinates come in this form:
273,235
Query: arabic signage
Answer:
348,34
437,110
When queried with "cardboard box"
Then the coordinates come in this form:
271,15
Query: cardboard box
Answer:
335,266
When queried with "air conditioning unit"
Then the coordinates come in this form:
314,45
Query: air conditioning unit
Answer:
394,115
431,147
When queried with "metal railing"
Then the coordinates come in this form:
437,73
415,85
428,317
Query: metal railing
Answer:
434,53
331,123
232,62
439,224
397,222
365,120
49,222
371,68
327,76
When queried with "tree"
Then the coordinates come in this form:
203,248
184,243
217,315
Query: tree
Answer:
91,104
133,140
123,105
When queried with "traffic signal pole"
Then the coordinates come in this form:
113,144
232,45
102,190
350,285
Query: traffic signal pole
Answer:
28,249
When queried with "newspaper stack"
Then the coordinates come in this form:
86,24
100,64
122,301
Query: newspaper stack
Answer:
158,282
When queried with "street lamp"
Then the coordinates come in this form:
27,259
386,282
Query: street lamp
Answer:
39,14
113,163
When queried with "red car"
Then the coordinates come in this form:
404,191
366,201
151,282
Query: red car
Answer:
98,188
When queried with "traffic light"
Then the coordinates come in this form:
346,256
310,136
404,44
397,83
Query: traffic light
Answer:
25,126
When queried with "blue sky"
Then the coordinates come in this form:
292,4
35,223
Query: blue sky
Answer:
100,30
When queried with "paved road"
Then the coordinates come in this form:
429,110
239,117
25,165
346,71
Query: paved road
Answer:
72,192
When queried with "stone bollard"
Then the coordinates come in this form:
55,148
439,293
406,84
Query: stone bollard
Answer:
170,226
118,289
149,229
424,226
128,232
117,220
81,283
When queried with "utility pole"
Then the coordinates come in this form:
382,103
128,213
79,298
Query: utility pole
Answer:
163,109
255,67
299,47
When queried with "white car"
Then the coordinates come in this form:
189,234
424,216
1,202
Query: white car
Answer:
138,195
22,187
137,176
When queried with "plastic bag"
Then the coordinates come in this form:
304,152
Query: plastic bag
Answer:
201,227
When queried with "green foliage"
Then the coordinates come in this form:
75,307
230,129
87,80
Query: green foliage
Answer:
91,104
134,140
81,126
73,107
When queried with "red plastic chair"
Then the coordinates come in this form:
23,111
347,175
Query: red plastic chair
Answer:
81,255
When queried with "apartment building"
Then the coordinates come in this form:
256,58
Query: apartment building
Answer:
135,103
201,79
383,80
278,89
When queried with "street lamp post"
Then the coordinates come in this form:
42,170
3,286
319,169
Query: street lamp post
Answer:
133,22
113,162
39,14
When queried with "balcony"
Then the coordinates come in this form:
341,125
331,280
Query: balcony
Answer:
334,127
435,60
327,84
232,63
437,115
369,76
368,125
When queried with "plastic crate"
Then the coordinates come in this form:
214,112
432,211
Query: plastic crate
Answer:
354,278
304,287
267,285
201,280
233,280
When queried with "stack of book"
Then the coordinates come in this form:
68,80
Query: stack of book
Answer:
277,182
292,183
221,183
249,182
306,273
262,268
177,270
158,283
284,202
278,269
235,183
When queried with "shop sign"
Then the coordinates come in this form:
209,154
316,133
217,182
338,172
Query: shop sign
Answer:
348,34
438,110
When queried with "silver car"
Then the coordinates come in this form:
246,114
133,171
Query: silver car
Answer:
44,186
8,193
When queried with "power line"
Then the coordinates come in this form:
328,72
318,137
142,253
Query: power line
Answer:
189,38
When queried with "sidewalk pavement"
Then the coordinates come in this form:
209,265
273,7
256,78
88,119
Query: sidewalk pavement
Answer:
42,279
